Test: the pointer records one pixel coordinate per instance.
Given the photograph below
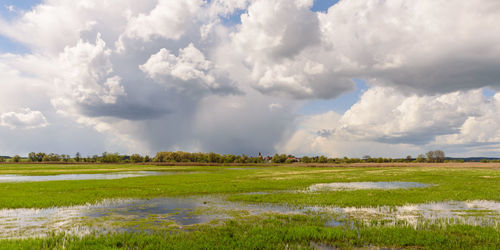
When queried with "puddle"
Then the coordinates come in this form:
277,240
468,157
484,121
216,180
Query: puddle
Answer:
337,186
478,213
20,223
241,168
126,215
178,210
187,213
81,220
259,192
73,177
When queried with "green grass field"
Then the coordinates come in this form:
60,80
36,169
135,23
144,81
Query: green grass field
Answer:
273,185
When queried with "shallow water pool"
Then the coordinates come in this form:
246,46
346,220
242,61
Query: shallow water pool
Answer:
74,177
187,212
365,185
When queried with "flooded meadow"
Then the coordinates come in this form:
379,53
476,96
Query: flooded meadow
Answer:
185,202
184,213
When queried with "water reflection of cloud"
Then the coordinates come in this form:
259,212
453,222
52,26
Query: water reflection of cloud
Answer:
113,215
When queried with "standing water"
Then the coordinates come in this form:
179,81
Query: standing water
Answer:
74,177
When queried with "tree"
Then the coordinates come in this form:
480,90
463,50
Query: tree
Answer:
78,157
430,156
306,159
16,158
408,158
135,158
110,157
51,157
322,159
39,156
213,157
420,158
229,158
36,157
435,156
439,155
279,158
65,157
367,158
32,156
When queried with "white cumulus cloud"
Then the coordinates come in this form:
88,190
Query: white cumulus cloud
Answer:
169,19
190,66
386,121
86,76
26,119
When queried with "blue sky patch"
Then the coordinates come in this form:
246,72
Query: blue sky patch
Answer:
318,6
233,19
323,5
488,92
8,45
10,9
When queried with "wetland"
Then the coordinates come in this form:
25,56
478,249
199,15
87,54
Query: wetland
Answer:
249,207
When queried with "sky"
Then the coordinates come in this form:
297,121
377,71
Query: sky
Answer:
337,78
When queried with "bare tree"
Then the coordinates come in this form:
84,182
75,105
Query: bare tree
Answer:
420,158
430,156
435,156
439,155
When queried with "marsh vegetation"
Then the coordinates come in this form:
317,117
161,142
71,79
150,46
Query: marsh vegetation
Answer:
287,206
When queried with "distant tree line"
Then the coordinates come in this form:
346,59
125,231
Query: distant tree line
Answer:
435,156
106,157
103,158
211,157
